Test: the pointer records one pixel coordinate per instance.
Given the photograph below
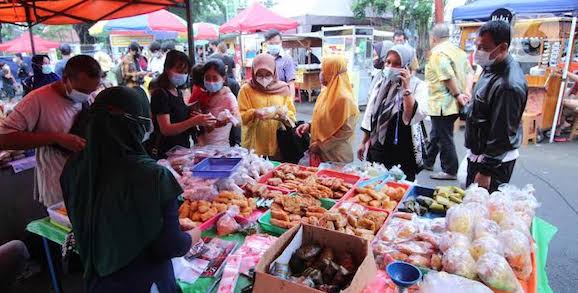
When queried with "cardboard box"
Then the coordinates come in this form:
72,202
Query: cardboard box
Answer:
340,242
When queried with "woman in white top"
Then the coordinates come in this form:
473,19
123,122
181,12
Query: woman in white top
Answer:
221,102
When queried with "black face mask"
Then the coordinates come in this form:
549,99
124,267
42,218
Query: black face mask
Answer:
378,63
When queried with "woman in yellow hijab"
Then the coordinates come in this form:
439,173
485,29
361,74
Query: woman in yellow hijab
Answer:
335,114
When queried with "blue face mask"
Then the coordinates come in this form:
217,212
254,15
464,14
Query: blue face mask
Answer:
274,49
213,87
178,79
46,69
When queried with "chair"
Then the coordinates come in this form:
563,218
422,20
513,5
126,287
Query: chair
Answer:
530,128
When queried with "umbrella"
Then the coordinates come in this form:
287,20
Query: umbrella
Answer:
162,24
22,44
257,18
205,31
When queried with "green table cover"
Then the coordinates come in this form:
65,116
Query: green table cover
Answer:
542,231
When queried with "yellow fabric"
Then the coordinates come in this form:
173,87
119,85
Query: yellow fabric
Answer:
336,104
446,62
261,135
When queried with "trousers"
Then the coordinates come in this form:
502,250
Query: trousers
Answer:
442,143
500,175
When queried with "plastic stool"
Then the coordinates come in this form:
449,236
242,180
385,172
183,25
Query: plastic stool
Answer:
298,95
530,128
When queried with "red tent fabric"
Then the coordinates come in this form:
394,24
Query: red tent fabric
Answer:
22,44
257,18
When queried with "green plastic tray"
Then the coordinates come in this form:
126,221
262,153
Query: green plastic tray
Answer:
265,219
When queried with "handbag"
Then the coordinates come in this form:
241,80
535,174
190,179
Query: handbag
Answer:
153,146
291,146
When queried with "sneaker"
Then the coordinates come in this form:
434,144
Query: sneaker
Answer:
443,176
428,168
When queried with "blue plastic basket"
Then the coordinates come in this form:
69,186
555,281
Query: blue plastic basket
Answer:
416,191
216,167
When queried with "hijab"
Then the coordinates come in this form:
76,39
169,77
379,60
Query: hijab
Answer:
388,99
276,87
113,191
336,104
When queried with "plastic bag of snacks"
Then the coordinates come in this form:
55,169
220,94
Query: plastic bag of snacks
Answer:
460,219
515,222
485,245
226,223
518,252
441,282
453,239
459,261
476,194
485,227
499,206
495,272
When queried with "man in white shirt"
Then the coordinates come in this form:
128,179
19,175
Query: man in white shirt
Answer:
157,61
43,119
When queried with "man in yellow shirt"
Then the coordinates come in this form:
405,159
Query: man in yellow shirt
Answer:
448,75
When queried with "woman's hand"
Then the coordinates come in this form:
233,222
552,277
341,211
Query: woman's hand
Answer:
361,151
405,77
203,119
302,129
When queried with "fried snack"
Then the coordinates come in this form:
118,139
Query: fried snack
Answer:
282,224
184,210
279,215
291,210
387,198
202,210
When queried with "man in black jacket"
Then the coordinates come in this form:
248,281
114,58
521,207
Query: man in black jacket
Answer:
493,129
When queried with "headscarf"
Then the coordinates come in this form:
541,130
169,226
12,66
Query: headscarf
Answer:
335,104
388,99
113,191
267,62
382,48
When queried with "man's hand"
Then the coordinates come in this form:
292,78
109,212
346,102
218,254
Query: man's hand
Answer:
361,151
483,180
302,129
71,142
463,99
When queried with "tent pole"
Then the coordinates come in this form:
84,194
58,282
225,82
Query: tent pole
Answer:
564,78
29,25
190,31
242,54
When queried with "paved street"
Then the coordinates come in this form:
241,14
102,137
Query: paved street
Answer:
553,170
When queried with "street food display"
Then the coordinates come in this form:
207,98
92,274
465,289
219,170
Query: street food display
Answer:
386,198
289,176
199,211
288,211
324,187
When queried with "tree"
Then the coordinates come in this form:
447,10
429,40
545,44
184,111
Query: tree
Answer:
204,11
413,15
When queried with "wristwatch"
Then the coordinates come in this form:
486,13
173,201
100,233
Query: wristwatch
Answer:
407,93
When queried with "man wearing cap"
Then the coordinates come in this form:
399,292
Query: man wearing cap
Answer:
66,53
448,75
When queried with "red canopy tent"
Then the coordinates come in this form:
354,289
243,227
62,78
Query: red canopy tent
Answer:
257,18
22,44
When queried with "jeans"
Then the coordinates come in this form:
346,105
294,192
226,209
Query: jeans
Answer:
442,142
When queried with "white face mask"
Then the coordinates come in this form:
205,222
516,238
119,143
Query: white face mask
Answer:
482,58
265,81
76,96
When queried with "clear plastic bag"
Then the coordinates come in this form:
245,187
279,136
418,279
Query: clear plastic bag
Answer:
459,261
226,223
441,282
478,210
515,222
226,115
486,227
453,240
485,245
499,206
460,219
495,272
474,193
518,252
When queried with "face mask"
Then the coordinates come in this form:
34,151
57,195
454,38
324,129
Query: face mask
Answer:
274,49
46,69
213,87
77,96
482,58
178,79
391,73
264,81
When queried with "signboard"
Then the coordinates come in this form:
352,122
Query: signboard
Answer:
125,40
503,14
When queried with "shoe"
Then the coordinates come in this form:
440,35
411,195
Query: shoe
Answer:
443,176
429,168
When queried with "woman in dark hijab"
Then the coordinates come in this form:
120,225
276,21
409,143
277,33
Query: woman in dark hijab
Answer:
43,74
122,205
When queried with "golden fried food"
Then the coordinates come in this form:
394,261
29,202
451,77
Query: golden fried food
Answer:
279,215
202,210
184,210
293,209
387,198
282,224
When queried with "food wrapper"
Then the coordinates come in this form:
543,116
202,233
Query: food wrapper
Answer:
474,193
461,220
230,274
515,222
226,223
253,249
485,227
441,282
518,252
459,261
455,240
485,245
495,272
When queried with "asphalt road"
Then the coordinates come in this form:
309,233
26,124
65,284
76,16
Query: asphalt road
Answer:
553,171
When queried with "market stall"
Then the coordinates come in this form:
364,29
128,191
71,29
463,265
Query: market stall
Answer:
306,52
339,227
543,36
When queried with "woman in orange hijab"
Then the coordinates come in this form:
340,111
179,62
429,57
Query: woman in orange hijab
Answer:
335,114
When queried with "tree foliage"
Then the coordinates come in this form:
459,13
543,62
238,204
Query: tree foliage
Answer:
211,11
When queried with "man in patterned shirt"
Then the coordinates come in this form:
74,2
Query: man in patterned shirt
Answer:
448,75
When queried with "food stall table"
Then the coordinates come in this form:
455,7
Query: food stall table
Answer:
308,80
51,232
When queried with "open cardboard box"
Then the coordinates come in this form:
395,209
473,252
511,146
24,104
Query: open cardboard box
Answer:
340,242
